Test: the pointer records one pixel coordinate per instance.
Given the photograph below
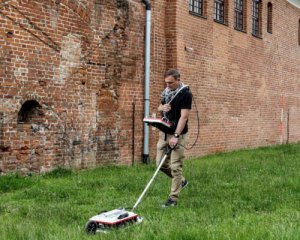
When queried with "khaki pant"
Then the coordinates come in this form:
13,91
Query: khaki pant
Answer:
173,163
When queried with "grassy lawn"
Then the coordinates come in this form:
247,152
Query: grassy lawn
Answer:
249,194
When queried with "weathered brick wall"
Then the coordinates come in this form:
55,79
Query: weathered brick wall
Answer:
70,70
246,88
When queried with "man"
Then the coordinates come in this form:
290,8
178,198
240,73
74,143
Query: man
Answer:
175,106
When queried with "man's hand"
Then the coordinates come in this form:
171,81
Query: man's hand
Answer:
173,142
164,108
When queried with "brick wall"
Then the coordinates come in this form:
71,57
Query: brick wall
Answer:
246,88
70,70
72,73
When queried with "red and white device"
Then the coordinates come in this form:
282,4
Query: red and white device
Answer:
159,123
120,217
111,219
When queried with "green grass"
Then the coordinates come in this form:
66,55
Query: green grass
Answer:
248,194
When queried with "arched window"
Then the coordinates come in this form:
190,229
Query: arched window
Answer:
197,7
30,112
256,18
270,18
221,11
240,15
299,32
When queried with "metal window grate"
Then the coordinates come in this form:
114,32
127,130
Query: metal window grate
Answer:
219,11
196,6
256,18
239,14
270,18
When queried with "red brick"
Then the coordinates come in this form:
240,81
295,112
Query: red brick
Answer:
82,64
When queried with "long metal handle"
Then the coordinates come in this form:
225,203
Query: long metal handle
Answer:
152,179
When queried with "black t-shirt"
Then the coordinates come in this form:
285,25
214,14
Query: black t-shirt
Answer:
182,101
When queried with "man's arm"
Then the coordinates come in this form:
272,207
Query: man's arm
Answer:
182,120
180,126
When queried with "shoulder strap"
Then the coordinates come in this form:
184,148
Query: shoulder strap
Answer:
179,91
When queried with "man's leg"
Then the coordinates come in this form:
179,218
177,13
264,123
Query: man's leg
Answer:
176,165
161,151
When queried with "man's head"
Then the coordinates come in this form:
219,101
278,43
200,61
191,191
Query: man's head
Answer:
172,79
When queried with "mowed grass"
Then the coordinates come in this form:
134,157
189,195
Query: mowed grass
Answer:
248,194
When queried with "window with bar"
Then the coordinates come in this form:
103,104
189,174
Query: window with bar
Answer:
299,32
256,18
270,18
239,15
197,7
219,13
